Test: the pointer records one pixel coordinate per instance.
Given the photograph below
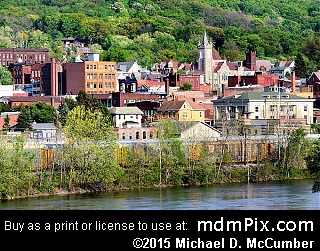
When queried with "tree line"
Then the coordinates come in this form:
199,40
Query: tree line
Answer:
150,31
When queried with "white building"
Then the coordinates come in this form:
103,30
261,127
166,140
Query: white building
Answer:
126,117
265,109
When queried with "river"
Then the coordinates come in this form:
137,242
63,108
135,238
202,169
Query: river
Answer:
270,195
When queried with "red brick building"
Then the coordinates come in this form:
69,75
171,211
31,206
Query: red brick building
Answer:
21,55
261,80
120,99
15,101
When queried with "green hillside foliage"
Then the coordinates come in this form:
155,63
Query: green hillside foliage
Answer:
150,31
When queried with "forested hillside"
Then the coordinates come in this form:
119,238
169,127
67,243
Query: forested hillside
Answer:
150,31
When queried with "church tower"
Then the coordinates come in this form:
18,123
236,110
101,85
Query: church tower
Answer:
205,58
251,60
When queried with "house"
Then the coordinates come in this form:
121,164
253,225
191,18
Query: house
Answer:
198,97
128,124
129,68
266,112
196,130
149,109
126,117
168,66
181,110
283,68
44,131
314,81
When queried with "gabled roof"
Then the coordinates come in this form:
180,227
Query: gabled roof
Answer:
126,66
183,126
176,105
264,63
317,74
215,55
231,65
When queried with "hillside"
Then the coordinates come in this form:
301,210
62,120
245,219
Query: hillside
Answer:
150,31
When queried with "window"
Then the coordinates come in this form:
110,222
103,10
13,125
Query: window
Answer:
200,114
123,135
272,108
185,114
256,109
257,117
144,135
224,76
137,135
305,108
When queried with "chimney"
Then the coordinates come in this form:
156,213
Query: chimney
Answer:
293,82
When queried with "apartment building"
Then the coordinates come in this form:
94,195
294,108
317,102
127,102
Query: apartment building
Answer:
94,77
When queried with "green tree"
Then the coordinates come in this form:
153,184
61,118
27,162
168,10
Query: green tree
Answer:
24,121
43,113
300,66
313,159
91,102
186,87
5,76
170,152
6,124
312,50
295,152
89,156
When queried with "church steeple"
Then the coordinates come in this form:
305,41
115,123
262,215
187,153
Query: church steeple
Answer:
205,57
205,39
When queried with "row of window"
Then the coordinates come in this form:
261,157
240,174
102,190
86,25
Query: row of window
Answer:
130,116
173,114
106,67
22,56
98,92
100,76
137,135
94,85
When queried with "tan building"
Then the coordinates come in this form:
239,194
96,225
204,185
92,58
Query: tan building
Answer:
94,77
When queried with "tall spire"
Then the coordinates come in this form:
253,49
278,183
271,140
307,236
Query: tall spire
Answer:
205,39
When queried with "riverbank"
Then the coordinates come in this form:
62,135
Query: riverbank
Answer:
233,178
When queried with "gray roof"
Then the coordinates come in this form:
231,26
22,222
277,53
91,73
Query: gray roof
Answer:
125,66
261,96
130,110
43,126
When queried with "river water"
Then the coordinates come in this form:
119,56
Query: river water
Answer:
270,195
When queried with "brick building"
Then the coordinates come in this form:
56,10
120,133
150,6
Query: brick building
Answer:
22,55
94,77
